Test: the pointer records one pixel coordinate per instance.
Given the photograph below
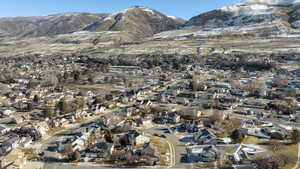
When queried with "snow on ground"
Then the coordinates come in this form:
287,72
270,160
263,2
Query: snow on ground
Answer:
296,24
249,10
206,33
149,11
109,17
171,34
273,2
127,10
173,17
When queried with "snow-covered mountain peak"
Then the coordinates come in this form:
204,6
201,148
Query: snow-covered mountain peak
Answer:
148,10
273,2
128,11
139,21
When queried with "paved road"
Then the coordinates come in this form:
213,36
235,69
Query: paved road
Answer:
179,147
70,166
298,159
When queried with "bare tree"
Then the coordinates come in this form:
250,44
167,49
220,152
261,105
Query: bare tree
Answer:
255,87
50,80
68,150
275,145
194,84
217,117
295,136
279,82
274,160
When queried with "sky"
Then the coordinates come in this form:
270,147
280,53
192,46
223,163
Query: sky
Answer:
180,8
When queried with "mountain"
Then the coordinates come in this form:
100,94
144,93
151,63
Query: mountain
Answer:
252,27
250,12
274,2
75,33
139,21
46,25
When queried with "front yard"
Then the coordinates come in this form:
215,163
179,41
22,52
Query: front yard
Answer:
162,149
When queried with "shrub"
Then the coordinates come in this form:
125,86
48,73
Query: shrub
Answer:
295,136
237,136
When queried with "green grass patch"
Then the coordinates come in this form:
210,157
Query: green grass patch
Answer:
30,153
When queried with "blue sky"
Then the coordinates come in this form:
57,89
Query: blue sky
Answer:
181,8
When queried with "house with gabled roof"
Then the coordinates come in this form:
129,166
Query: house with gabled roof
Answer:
204,136
208,153
243,152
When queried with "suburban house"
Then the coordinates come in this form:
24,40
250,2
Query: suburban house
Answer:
136,138
99,150
208,153
203,136
243,152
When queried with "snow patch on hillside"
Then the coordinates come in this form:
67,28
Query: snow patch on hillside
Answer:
273,2
296,24
202,34
149,11
110,17
127,10
249,10
173,17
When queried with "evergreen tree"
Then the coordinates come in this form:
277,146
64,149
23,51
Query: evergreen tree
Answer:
35,99
62,106
237,136
295,136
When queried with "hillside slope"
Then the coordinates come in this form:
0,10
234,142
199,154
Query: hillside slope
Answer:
249,28
139,21
46,25
250,12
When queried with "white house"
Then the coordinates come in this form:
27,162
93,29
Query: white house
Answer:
8,112
242,151
78,144
3,130
141,139
257,132
25,142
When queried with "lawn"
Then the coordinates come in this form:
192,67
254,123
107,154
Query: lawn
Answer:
30,153
292,150
162,148
252,140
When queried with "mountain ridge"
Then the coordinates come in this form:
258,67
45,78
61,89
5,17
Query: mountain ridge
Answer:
69,22
246,13
247,28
